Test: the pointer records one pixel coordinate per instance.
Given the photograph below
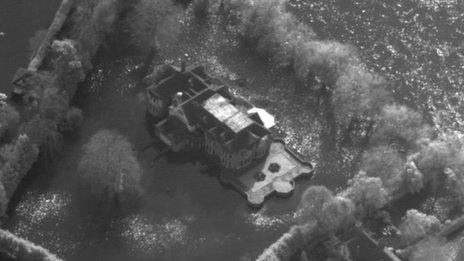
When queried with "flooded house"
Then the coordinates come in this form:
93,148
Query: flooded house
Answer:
198,112
194,111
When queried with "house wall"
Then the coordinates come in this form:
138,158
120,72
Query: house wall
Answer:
236,160
155,106
262,147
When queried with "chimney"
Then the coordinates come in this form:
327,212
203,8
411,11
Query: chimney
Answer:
177,99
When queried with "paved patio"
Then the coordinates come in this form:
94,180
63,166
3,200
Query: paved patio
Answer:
275,173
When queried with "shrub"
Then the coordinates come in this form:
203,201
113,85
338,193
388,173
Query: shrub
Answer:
154,24
21,249
9,118
416,225
367,193
109,167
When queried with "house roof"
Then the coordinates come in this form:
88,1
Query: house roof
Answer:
363,247
243,140
208,105
238,122
267,120
225,112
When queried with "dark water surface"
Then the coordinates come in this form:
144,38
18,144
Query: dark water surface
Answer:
417,44
19,20
187,214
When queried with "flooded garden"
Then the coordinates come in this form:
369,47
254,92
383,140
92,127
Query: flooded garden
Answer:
185,212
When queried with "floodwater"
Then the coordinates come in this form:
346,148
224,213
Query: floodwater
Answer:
187,214
19,20
416,44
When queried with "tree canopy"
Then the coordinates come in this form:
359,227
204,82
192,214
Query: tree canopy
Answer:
446,151
9,118
386,163
416,225
432,249
367,193
358,95
154,24
330,212
398,123
109,166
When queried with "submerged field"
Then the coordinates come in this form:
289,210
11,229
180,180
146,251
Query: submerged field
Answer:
189,215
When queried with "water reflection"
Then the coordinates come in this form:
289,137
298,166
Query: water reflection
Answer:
151,237
41,217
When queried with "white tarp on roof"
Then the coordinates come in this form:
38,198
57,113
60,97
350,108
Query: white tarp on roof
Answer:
267,119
